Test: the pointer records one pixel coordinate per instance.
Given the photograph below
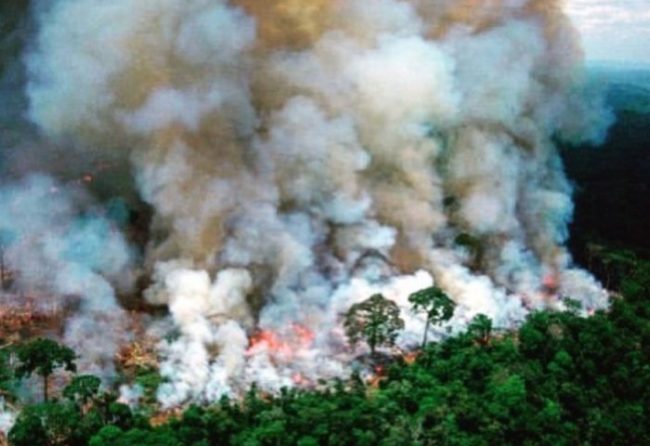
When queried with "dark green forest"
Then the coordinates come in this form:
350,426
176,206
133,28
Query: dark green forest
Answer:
561,379
611,182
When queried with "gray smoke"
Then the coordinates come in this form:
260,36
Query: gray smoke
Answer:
301,158
67,257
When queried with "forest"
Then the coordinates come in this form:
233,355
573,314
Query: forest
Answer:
172,210
560,379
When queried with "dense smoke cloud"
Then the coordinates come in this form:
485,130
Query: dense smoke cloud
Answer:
300,156
68,257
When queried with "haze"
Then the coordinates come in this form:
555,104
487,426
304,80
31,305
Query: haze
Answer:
613,31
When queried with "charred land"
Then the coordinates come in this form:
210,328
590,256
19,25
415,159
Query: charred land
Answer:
253,222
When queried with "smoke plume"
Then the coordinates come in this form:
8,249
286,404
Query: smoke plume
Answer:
301,156
68,258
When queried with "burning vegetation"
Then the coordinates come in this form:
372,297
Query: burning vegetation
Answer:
252,191
305,222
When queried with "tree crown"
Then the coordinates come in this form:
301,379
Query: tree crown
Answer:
42,356
434,302
376,320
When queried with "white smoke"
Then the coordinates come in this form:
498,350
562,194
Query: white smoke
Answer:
66,255
7,418
299,160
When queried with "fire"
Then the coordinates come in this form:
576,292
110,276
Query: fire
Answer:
283,347
304,335
550,283
267,340
411,357
299,379
25,316
299,338
375,379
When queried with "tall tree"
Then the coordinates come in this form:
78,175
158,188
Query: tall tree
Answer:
5,241
6,372
375,320
435,304
42,356
2,266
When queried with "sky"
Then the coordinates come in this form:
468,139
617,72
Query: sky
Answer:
613,30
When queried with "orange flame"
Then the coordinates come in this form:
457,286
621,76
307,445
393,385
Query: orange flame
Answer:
299,379
299,338
411,357
375,379
304,335
550,283
266,340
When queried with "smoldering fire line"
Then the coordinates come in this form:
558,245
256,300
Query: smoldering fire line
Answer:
280,142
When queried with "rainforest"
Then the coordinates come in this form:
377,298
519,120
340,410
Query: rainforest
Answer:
323,222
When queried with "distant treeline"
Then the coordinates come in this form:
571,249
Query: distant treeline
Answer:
613,182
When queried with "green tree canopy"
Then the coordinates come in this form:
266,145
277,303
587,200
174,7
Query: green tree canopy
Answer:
82,388
375,320
480,328
6,372
42,356
436,305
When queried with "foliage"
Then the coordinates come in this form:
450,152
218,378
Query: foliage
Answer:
480,328
149,379
7,378
561,379
82,389
437,306
375,320
42,356
74,421
48,423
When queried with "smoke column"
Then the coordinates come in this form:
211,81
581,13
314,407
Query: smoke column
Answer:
68,255
301,155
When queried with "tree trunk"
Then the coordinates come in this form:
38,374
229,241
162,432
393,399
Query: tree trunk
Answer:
2,269
426,332
45,383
